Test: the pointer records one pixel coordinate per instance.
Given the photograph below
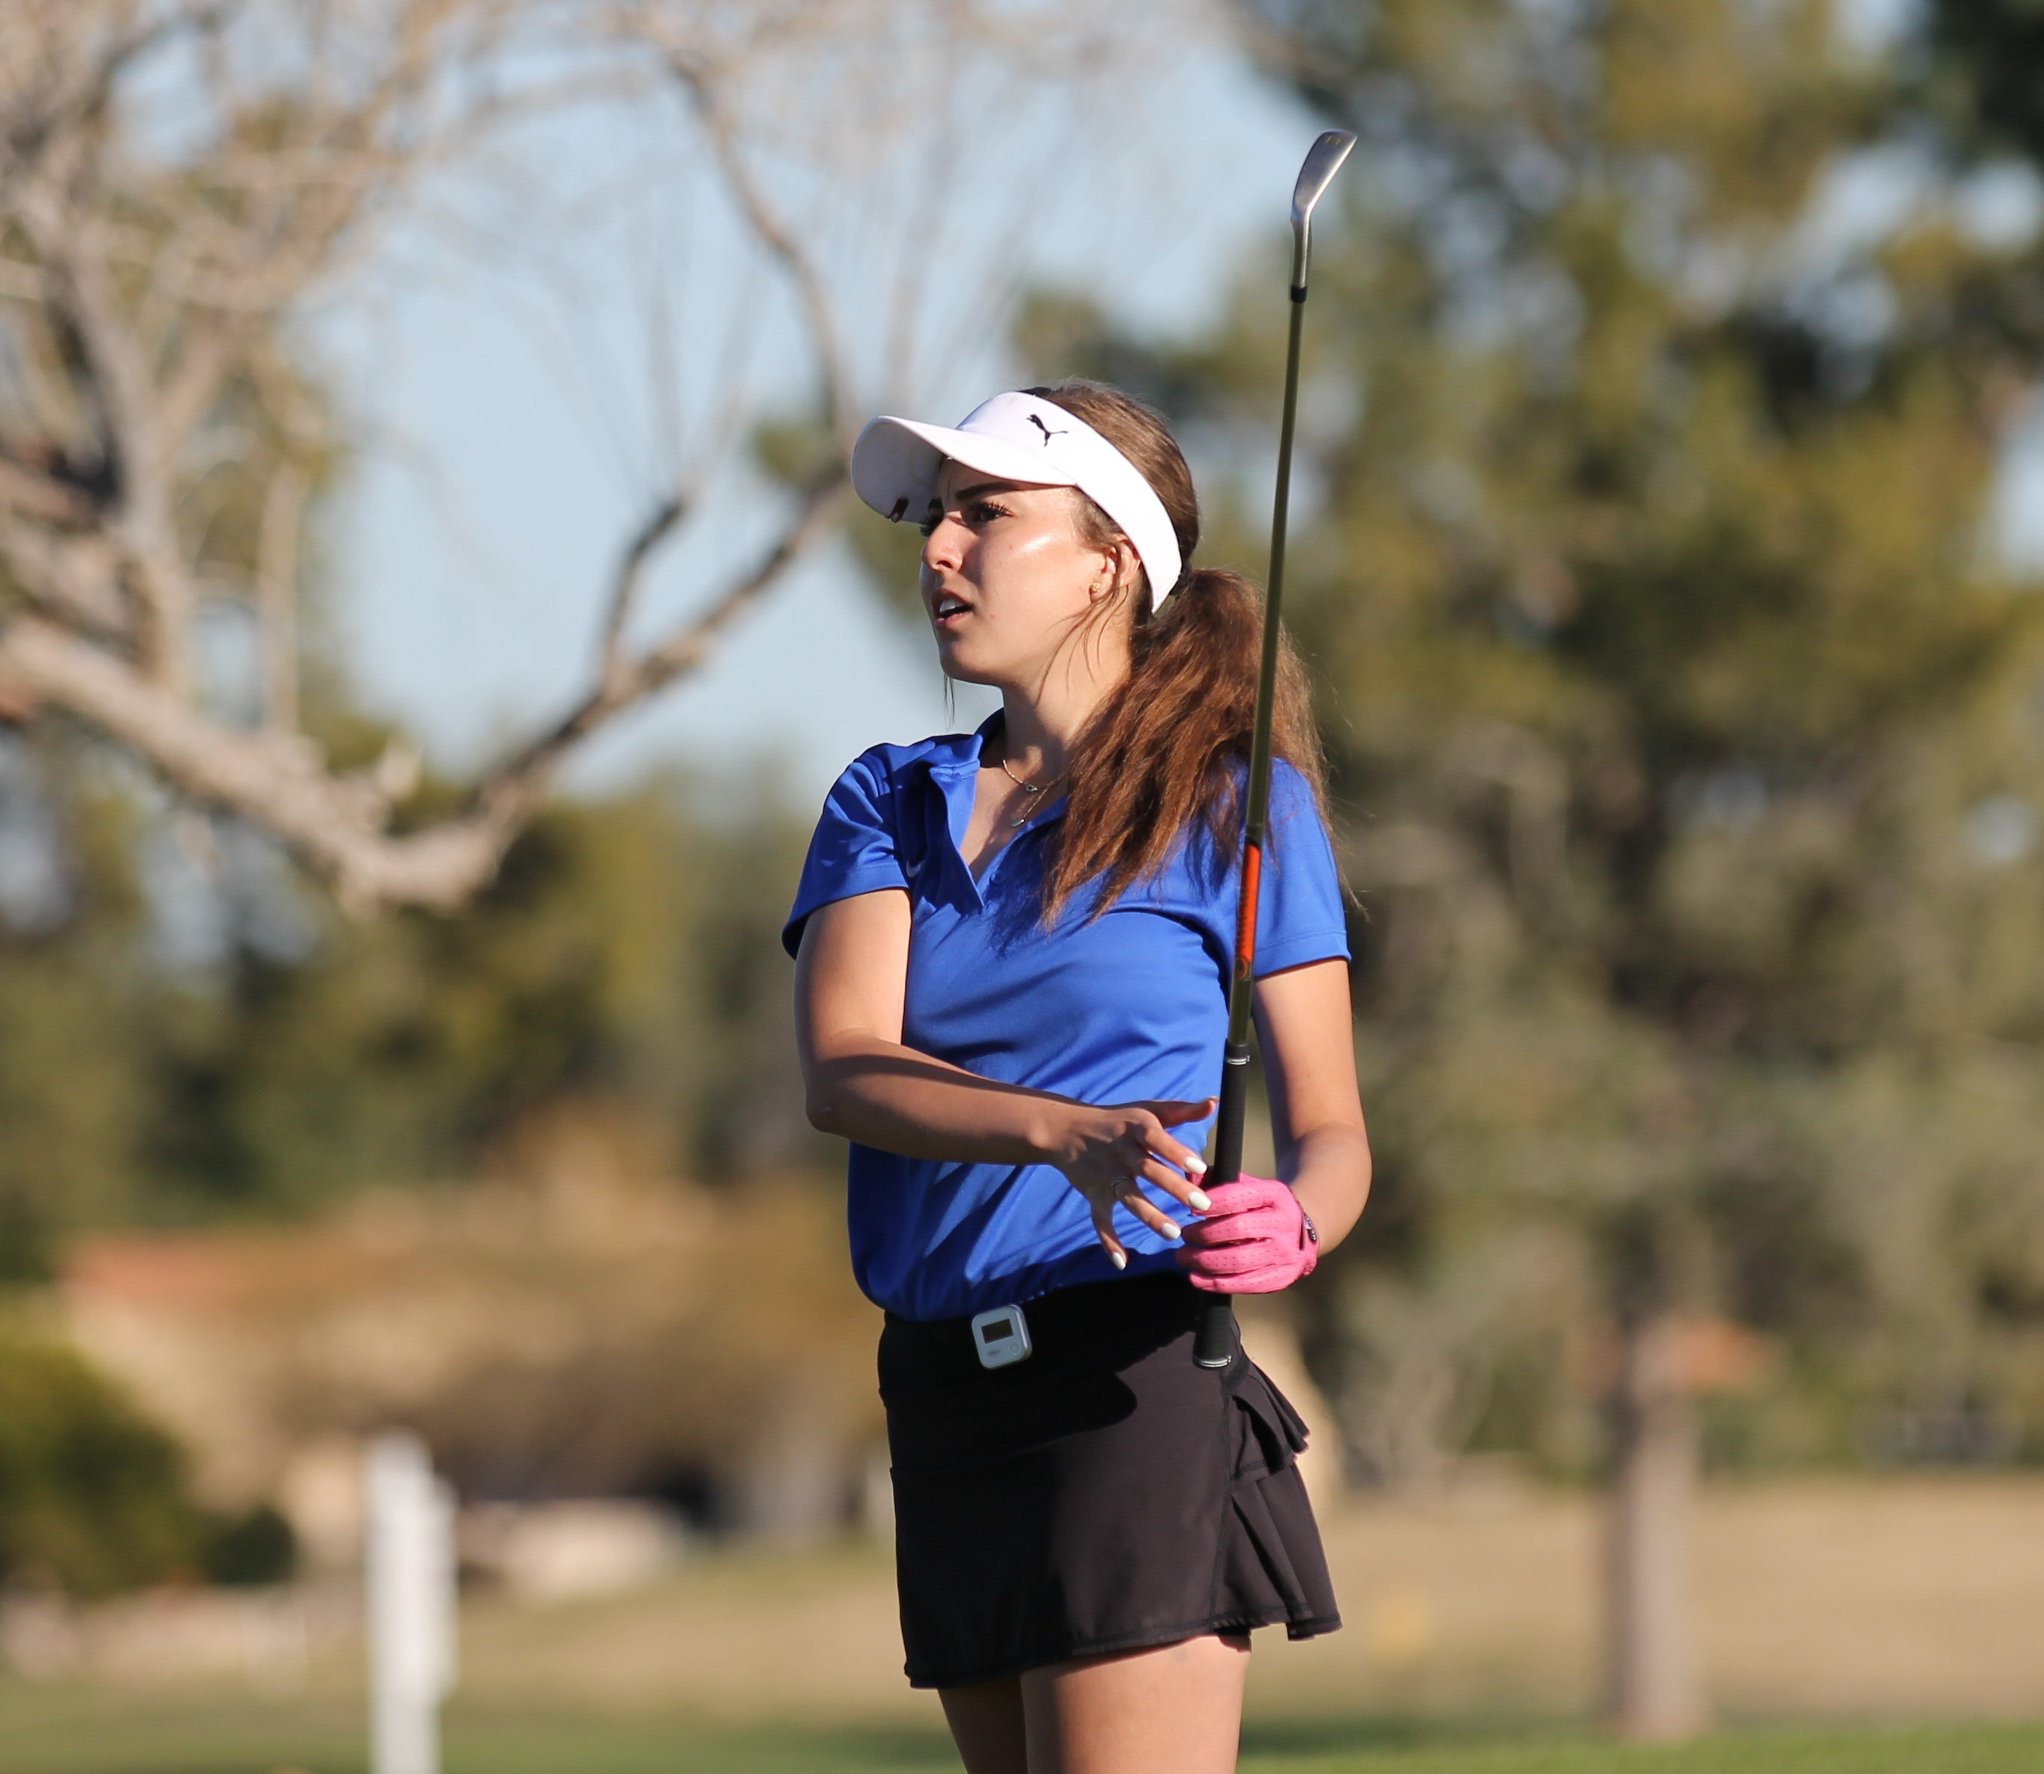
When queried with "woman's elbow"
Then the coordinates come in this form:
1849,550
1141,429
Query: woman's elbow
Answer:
819,1103
834,1080
824,1097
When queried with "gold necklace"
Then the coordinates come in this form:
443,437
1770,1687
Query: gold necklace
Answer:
1031,789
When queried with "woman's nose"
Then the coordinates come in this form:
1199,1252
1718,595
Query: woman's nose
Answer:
941,547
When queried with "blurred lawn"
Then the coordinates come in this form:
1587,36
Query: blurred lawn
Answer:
1471,1649
74,1731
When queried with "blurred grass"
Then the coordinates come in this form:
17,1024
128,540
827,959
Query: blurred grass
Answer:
89,1731
1471,1649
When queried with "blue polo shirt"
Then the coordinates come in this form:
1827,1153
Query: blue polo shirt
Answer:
1129,1007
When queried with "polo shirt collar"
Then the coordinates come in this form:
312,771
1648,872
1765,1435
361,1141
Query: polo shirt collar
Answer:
953,766
958,754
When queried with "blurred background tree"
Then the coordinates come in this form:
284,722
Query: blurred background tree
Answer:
626,957
1688,724
189,191
1665,365
184,182
72,1087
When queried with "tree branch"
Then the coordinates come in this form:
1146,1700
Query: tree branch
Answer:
75,578
162,442
811,287
613,668
277,594
120,386
687,648
338,826
30,496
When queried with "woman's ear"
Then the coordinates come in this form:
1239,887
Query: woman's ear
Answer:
1118,566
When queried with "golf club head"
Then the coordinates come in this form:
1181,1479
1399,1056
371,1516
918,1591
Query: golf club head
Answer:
1323,161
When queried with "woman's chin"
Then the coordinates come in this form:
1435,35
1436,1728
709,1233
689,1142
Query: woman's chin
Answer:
961,671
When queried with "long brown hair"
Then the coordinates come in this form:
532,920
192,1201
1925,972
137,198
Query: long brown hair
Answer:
1167,750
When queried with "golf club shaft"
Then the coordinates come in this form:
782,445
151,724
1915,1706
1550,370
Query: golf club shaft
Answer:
1214,1341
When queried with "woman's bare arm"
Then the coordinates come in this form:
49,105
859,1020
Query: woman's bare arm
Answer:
850,975
861,1082
1306,1031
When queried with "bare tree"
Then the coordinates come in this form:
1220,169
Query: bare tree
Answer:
180,179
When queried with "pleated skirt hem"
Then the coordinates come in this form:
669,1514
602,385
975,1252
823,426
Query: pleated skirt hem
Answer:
1129,1641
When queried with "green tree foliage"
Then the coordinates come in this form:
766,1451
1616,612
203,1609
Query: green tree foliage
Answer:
1689,729
92,1495
622,957
95,1495
1980,69
73,1084
250,1548
627,957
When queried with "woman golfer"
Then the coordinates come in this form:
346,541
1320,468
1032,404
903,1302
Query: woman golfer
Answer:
1012,954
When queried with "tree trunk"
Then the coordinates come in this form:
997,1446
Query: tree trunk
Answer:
1655,1683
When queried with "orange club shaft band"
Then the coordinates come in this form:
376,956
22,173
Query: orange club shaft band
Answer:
1245,913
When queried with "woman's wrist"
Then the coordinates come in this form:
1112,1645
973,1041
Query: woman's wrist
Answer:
1047,1130
1332,1182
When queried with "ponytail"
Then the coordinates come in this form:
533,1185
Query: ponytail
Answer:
1166,757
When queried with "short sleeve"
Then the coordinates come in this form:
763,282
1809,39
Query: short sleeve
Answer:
1299,911
853,848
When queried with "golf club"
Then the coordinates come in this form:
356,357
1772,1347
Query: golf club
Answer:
1214,1342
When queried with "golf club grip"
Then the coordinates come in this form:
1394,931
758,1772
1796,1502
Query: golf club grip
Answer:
1213,1343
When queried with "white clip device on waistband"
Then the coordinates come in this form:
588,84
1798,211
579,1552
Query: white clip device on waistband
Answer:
1001,1336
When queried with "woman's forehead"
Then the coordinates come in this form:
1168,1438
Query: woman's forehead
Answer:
956,481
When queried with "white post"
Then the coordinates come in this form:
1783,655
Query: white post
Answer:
411,1605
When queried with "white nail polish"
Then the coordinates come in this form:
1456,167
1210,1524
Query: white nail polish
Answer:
1117,1259
1172,1230
1196,1166
1199,1200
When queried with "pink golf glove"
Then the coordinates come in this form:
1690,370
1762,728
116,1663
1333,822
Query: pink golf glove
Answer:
1256,1240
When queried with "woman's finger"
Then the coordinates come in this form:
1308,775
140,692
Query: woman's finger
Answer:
1147,1211
1229,1259
1161,1171
1172,1113
1234,1228
1236,1198
1184,1182
1140,1158
1260,1281
1103,1229
1173,1152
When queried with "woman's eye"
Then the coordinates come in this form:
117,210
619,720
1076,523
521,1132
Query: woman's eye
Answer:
976,512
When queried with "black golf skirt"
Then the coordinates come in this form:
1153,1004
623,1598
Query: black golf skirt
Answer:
1102,1495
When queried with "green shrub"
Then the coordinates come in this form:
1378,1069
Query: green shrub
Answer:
256,1546
94,1497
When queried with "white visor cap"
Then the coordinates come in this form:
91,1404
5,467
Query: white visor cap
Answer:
1020,438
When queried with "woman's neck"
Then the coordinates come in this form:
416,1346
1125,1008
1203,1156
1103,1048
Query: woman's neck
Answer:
1041,723
1037,741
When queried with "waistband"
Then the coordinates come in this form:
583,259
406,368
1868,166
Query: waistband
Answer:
1106,1321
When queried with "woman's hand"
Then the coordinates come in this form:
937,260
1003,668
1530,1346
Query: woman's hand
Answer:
1255,1239
1104,1152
